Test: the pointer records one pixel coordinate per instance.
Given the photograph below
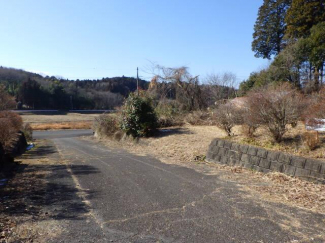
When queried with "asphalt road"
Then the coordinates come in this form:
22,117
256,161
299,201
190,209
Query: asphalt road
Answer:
115,196
52,134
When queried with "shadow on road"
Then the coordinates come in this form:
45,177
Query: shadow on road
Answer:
172,131
42,188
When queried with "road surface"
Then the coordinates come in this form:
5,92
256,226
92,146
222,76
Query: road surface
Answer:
109,195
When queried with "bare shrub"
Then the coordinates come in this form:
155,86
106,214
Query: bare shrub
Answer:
316,105
311,139
276,107
199,118
6,101
248,130
169,113
226,116
28,131
250,121
179,84
10,124
118,135
219,86
106,125
15,119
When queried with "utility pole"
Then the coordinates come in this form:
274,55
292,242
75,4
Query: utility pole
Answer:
138,80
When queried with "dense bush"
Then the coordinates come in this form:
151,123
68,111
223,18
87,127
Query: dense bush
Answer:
10,124
276,107
226,116
138,116
105,125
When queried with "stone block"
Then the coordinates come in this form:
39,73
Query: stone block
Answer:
232,161
218,158
252,151
221,143
214,142
302,172
245,158
317,175
262,153
224,160
264,163
273,156
312,164
257,168
237,162
235,147
234,154
248,166
322,169
209,155
231,153
215,157
227,144
284,158
255,160
243,148
223,152
298,161
276,166
289,170
215,150
211,146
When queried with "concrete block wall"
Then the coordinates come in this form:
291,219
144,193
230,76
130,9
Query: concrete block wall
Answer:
226,152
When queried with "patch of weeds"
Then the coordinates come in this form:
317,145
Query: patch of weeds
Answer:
199,158
251,141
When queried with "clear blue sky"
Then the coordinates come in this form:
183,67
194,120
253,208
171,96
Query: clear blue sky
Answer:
106,38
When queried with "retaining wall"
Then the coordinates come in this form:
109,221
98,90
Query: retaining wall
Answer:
262,160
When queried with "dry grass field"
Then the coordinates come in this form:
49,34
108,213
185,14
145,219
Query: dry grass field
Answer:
61,125
53,118
59,121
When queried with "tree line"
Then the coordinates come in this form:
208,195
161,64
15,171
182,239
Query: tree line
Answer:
34,91
292,34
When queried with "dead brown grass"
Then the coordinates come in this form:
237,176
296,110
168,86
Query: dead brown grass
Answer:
62,125
48,118
278,187
292,143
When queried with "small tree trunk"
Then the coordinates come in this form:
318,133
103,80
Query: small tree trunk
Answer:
322,75
316,79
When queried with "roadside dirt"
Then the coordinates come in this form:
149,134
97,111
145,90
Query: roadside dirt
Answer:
23,217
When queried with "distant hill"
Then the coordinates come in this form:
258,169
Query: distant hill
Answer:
35,91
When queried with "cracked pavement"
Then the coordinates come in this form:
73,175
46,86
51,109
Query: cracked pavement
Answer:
123,197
